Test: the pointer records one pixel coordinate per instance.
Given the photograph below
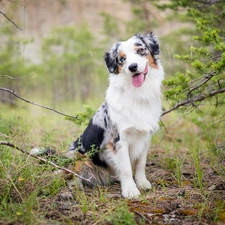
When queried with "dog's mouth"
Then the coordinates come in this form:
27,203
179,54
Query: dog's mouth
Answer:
139,78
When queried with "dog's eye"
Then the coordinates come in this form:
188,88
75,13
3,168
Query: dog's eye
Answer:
141,51
122,59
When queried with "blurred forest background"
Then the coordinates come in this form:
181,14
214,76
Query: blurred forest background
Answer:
53,54
59,50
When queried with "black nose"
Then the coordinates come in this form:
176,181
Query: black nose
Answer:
133,67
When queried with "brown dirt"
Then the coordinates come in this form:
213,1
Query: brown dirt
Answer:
167,203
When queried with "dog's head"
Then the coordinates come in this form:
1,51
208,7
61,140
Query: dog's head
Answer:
134,57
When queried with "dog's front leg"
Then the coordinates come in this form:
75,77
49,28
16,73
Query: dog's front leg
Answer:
124,172
140,176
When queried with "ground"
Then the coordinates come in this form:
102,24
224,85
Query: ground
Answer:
167,203
186,172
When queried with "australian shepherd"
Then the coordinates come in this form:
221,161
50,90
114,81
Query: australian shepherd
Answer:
118,136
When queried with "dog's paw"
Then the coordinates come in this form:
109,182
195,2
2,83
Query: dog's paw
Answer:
144,184
131,193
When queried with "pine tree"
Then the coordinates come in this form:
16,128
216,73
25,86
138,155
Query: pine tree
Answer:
205,80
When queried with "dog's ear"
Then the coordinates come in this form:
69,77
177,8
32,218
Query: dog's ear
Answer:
111,59
110,62
151,41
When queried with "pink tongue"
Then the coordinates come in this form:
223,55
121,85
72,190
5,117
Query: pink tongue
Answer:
138,80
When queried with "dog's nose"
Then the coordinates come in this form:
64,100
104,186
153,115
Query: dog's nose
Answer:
133,67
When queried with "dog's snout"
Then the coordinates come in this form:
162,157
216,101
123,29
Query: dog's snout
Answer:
133,67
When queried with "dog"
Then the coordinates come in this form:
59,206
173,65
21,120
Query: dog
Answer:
119,134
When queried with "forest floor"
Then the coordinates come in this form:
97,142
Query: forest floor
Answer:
167,203
187,178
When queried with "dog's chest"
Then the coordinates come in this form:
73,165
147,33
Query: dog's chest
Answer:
127,111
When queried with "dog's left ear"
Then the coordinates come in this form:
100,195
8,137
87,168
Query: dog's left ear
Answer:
152,42
110,59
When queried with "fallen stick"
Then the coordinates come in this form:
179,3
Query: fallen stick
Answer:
42,159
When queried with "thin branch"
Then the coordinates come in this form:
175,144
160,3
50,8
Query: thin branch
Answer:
37,104
187,112
6,124
16,78
10,20
204,80
192,100
142,216
42,159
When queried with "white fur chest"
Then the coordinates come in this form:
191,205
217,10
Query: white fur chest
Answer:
131,107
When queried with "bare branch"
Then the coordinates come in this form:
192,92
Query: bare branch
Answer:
193,100
10,20
42,159
204,80
37,104
16,78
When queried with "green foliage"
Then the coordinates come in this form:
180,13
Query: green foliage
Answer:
206,57
175,165
4,127
60,160
93,151
177,84
143,18
12,63
25,212
198,170
71,65
110,26
83,117
121,215
14,188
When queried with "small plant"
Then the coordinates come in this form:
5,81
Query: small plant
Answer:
102,195
121,215
174,164
198,170
93,151
26,212
83,117
83,201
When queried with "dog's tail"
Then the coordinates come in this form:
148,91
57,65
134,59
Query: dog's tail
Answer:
93,174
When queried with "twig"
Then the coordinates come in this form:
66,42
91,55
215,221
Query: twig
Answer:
10,20
37,104
192,100
16,78
6,124
142,216
170,127
42,159
204,80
